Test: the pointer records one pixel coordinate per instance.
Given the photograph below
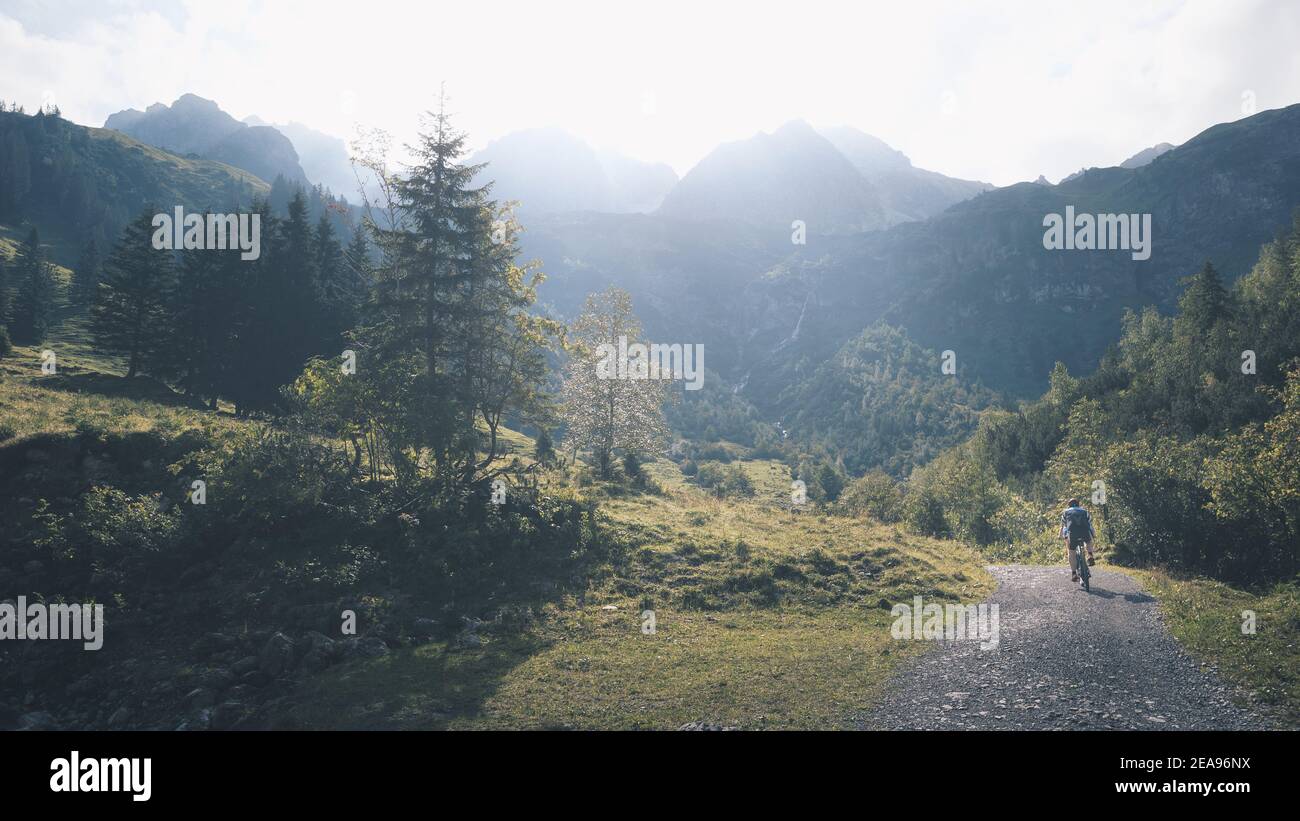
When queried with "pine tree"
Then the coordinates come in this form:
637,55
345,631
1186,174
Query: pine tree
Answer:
85,279
338,300
447,331
33,306
4,289
206,311
1206,301
131,315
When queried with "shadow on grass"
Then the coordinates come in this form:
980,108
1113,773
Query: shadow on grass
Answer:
431,687
119,387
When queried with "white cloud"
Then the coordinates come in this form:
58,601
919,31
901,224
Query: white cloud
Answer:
997,93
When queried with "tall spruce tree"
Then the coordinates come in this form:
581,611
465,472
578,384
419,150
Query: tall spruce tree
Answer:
33,306
85,278
131,316
447,331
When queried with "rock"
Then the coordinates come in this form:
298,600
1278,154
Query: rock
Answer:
314,662
216,679
364,647
214,643
277,655
315,641
704,726
120,717
240,692
244,665
38,721
424,628
201,720
254,678
228,715
201,697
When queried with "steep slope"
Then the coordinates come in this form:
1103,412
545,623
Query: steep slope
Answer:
550,171
976,278
907,192
75,182
771,180
196,126
1146,155
324,157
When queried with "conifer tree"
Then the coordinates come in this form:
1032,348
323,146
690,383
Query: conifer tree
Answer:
33,306
85,278
131,315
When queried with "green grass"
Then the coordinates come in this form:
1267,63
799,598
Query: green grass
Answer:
764,619
1206,617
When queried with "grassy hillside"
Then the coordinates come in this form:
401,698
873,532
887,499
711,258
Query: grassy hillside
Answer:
765,617
75,182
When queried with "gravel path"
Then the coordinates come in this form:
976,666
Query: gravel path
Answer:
1066,660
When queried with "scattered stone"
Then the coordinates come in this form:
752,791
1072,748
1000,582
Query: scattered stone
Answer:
244,666
217,679
704,726
227,716
277,655
37,722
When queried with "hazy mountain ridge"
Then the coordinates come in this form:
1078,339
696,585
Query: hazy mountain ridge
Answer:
76,182
908,192
976,278
772,180
550,171
324,157
194,125
1146,155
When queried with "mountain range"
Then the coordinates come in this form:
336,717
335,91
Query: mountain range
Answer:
193,126
841,181
974,278
548,170
952,265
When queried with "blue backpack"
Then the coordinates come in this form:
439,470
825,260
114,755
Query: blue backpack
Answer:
1078,523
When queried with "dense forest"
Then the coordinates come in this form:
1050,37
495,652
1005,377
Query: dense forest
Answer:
1185,438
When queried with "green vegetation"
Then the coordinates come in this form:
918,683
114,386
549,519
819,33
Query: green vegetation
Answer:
1207,617
764,619
1185,440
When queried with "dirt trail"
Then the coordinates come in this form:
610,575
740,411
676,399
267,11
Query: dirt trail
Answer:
1066,660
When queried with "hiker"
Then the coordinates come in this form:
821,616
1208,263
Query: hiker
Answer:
1076,528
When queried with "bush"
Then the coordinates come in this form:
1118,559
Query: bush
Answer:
876,495
724,480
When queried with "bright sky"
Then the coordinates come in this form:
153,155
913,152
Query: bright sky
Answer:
999,91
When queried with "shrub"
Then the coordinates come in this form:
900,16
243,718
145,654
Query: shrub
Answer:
724,480
876,495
